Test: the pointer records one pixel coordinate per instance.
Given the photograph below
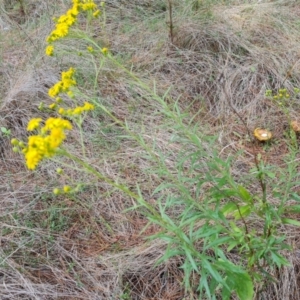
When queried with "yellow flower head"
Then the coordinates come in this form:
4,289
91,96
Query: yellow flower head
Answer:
96,13
56,191
88,106
90,49
89,6
61,111
33,157
57,123
52,105
49,50
104,51
55,90
67,189
34,124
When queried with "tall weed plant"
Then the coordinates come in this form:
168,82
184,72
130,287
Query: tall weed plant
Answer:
227,228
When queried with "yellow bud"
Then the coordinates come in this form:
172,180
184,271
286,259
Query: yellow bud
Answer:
56,191
59,171
15,149
90,49
67,188
41,106
104,51
70,94
21,144
52,106
96,13
15,142
61,111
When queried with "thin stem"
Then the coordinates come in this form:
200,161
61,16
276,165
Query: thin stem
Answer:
93,171
171,34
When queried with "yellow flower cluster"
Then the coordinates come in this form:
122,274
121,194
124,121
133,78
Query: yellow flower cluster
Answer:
43,145
76,111
51,133
64,22
64,84
66,190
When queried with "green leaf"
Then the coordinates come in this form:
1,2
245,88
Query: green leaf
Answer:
279,260
219,241
191,259
270,174
293,209
244,286
226,293
244,194
295,197
229,208
290,221
244,211
237,280
168,254
232,245
212,271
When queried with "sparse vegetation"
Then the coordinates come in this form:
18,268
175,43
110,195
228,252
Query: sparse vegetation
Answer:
142,177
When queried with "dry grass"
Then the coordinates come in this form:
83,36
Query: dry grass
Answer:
85,246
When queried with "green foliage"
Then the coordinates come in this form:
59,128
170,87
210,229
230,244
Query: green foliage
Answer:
6,132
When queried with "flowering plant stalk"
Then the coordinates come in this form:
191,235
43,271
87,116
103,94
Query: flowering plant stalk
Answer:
218,210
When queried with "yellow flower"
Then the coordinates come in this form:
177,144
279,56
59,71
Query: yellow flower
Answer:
55,139
61,111
67,189
70,94
88,106
67,74
52,105
33,157
34,124
56,191
14,142
104,51
89,6
59,171
49,50
77,110
57,123
55,90
74,11
96,13
90,49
